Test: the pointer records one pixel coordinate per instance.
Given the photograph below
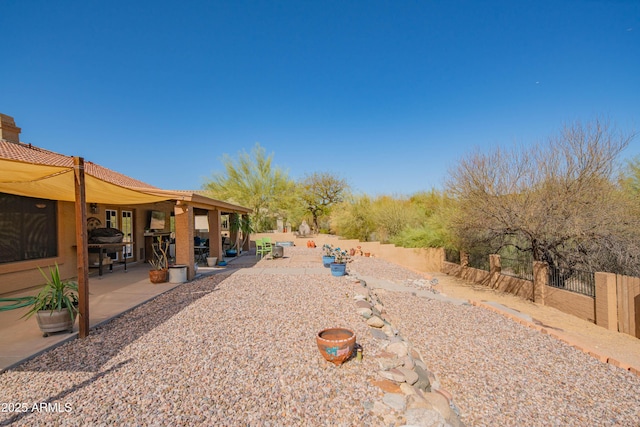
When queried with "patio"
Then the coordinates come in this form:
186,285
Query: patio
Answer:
110,295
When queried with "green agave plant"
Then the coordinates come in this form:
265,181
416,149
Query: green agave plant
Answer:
57,294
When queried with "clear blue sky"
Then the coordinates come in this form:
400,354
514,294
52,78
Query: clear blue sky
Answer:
387,94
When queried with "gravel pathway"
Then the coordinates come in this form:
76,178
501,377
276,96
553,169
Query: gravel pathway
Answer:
240,349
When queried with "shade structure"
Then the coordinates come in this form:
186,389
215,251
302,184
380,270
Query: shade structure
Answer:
56,183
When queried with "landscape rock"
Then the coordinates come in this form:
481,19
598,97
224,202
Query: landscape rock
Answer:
393,375
394,401
375,322
424,418
439,402
399,348
365,312
423,383
410,376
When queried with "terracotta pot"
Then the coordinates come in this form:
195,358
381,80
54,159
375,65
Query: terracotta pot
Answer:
157,276
336,344
367,254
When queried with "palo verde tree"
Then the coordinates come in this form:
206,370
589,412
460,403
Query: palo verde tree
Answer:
252,181
559,201
319,192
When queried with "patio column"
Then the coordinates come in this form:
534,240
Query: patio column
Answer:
215,234
184,222
246,245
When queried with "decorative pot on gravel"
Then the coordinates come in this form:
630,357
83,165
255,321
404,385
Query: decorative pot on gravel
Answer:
338,269
327,260
336,344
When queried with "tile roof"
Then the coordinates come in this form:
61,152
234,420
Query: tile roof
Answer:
31,154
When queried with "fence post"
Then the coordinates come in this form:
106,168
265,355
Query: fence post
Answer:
540,280
606,301
464,259
495,268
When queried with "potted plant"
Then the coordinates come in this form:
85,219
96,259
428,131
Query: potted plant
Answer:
327,255
160,262
239,224
339,264
56,305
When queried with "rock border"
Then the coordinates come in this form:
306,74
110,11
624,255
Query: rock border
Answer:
409,387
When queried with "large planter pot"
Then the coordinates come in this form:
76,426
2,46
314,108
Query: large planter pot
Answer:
51,321
178,273
231,252
211,261
338,269
157,276
336,344
327,260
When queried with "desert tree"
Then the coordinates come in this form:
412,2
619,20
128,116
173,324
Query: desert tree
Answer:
354,219
557,200
319,192
253,181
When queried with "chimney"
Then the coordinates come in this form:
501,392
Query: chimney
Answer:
8,129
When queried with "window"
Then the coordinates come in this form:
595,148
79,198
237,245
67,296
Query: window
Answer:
127,229
28,228
111,221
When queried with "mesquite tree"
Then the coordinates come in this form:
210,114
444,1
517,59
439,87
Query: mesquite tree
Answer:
319,192
557,200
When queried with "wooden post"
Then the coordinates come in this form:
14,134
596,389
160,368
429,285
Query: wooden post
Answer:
215,233
81,243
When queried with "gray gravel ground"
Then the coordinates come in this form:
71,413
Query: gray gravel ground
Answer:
502,373
240,350
224,350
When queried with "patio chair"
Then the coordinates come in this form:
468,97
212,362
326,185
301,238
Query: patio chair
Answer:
259,247
265,247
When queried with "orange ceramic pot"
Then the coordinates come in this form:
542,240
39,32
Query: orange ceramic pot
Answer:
157,276
336,344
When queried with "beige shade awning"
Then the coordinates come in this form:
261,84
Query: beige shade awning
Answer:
56,183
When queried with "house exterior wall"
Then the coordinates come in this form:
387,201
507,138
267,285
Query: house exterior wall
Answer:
23,275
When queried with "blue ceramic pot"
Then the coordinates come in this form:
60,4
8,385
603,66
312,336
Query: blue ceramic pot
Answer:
338,269
327,260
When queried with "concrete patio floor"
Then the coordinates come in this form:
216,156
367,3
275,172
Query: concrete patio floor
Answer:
110,295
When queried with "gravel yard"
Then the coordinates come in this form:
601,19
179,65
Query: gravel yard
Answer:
239,349
503,373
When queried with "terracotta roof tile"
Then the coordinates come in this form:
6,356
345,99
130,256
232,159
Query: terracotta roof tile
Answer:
31,154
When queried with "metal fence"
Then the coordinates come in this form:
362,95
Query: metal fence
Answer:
521,268
452,255
480,261
581,282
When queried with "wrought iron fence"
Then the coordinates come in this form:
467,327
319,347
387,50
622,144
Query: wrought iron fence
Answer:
521,268
480,261
581,282
452,255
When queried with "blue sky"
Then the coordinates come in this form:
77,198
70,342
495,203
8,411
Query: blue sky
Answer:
386,94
